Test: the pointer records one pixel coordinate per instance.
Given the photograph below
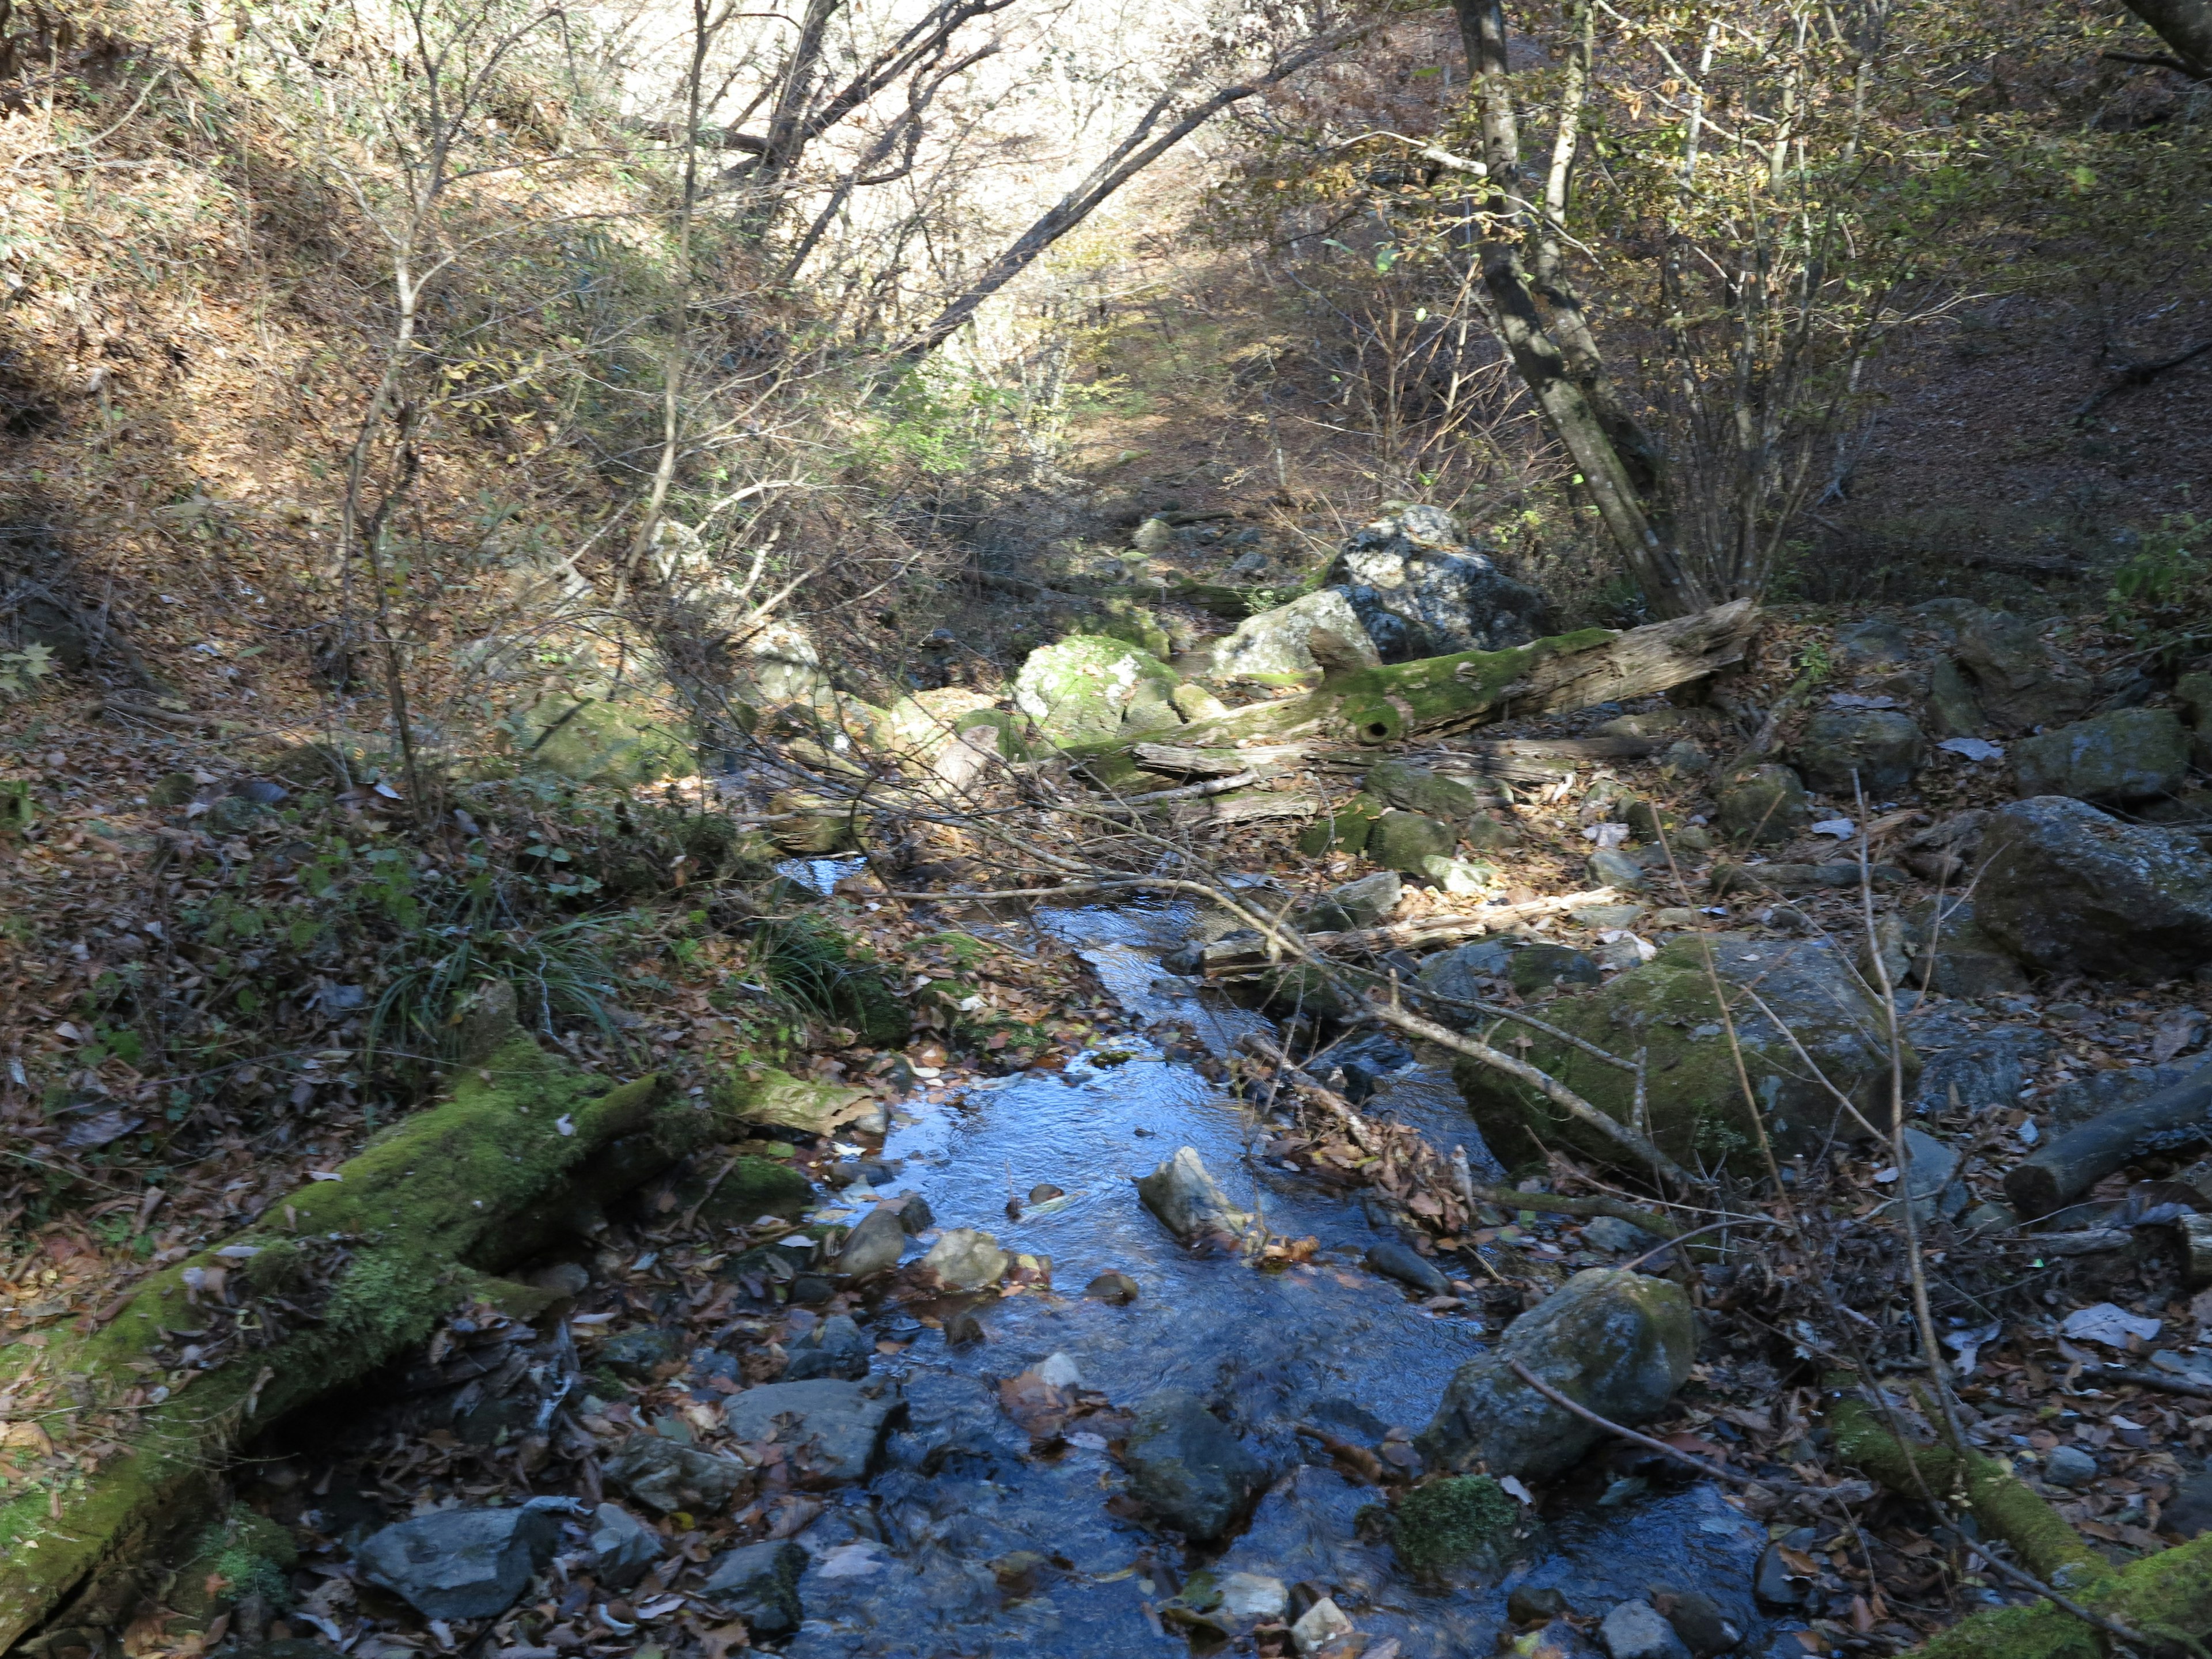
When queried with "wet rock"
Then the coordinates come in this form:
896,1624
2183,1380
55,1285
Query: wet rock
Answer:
1774,1585
913,1214
1634,1630
665,1477
2069,1466
966,1259
1610,1233
1278,647
1422,591
1420,789
759,1582
1539,967
1117,1289
1763,804
1618,1343
1530,1604
1361,903
1190,1468
1356,1068
1318,1625
962,1328
1696,1108
1187,1202
1089,687
623,1548
459,1564
841,1423
2068,888
1408,1267
638,1356
836,1347
1704,1627
2019,681
1251,1598
1882,747
1460,974
1400,841
2188,1511
2130,754
874,1246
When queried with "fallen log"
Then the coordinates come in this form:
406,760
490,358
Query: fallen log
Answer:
1261,759
1233,956
1440,695
1531,761
344,1275
1248,806
2080,1158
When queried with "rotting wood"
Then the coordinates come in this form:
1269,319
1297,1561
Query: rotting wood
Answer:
1249,806
1415,935
1263,760
1529,761
330,1282
2077,1160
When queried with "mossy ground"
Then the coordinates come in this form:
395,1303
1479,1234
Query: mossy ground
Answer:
1459,1518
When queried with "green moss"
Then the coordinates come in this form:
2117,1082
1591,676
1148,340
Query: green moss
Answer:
1446,1521
608,742
1347,828
752,1187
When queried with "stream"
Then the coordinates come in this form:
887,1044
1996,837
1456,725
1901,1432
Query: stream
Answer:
1324,1343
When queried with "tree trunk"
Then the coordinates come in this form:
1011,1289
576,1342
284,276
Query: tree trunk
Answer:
330,1283
2185,25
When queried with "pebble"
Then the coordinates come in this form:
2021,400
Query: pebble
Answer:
1112,1287
1319,1624
2069,1466
1407,1266
1634,1630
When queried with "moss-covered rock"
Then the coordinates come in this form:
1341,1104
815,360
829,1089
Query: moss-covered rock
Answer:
1089,688
1764,804
1346,828
1463,1518
1400,841
1698,1111
747,1190
2130,754
595,741
776,1099
1419,789
1880,747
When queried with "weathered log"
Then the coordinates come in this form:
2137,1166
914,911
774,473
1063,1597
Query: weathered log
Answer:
1531,761
331,1282
1262,759
1438,695
1236,955
2080,1158
1247,806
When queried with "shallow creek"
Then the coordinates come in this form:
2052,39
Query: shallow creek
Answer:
913,1563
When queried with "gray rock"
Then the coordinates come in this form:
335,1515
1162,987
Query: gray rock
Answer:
1420,789
2019,681
1187,1202
1684,758
1539,967
623,1548
841,1424
459,1564
1611,1233
1935,1165
1113,1287
1881,746
1634,1630
1763,804
1422,591
1609,867
1459,974
1704,1627
1987,1069
665,1476
1874,643
2067,888
1088,687
1617,1343
873,1246
836,1347
637,1355
1189,1467
1408,1267
1278,647
1954,955
2069,1466
2072,1104
1953,709
2130,754
759,1582
1460,878
2188,1511
1400,841
965,1259
1252,1598
1361,903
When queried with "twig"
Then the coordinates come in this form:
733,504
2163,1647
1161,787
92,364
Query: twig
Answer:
2149,1379
1712,1471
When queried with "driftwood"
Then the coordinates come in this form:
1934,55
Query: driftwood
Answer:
1239,954
2080,1158
1440,695
1262,759
1531,761
330,1283
1300,801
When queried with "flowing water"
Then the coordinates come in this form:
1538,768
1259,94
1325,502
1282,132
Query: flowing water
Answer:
947,1535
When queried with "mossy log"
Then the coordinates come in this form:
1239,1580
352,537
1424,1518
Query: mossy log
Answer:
2164,1597
1377,706
331,1282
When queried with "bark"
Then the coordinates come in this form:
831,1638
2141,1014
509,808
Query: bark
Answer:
331,1282
2079,1160
1439,695
2183,25
1424,934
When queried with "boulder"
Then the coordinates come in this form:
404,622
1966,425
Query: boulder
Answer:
623,1548
1400,841
872,1247
836,1347
963,1259
1697,1109
2194,693
1541,967
1187,1202
1874,644
459,1564
1190,1468
1883,748
759,1582
2130,754
840,1424
1615,1341
1612,867
2068,889
1764,804
1422,591
1989,1068
607,742
1953,709
666,1477
1459,974
1634,1630
2019,681
1420,789
1356,904
1296,643
1954,957
1087,688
